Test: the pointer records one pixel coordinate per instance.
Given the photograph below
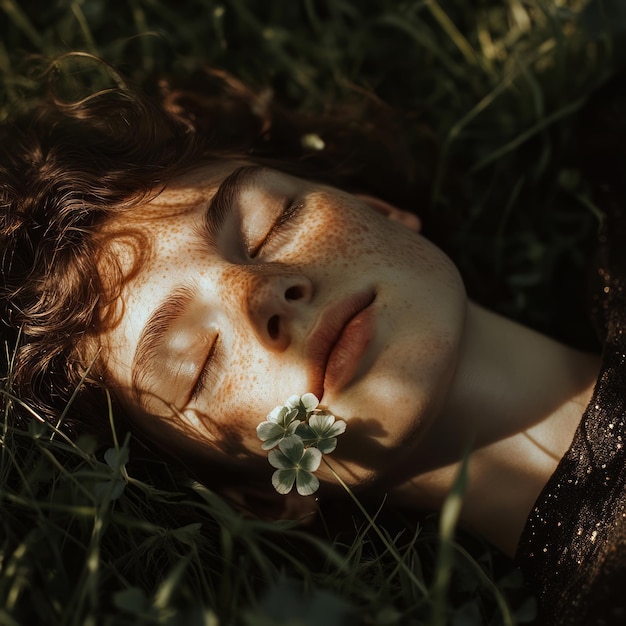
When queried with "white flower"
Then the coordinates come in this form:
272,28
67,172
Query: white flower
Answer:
280,423
303,433
321,431
305,404
294,463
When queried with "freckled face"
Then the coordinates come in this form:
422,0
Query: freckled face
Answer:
273,286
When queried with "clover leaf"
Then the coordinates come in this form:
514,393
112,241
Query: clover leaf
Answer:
280,423
302,432
321,431
295,464
305,404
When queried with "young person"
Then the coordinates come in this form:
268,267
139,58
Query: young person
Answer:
189,254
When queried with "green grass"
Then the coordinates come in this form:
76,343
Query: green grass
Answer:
88,537
131,539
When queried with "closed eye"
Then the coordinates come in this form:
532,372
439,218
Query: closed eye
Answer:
208,373
290,210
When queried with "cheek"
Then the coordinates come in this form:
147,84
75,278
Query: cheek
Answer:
337,234
351,236
337,228
241,402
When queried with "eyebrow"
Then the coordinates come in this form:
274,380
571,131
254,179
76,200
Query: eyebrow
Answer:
223,200
152,336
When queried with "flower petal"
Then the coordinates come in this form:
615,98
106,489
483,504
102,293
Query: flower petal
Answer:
311,459
338,428
283,480
321,422
304,431
272,416
293,448
265,430
293,402
327,445
278,460
272,441
306,483
291,415
270,434
309,401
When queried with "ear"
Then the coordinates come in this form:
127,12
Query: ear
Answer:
405,218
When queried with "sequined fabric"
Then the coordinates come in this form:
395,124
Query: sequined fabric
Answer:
573,548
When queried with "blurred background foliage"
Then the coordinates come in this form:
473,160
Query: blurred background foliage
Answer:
500,85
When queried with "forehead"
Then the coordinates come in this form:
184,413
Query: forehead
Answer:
184,192
128,237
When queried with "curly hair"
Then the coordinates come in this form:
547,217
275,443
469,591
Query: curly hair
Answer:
68,167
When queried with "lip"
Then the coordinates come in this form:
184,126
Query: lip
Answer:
338,341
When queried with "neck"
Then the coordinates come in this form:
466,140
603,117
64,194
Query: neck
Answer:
517,398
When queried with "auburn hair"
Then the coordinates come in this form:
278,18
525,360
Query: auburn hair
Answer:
69,166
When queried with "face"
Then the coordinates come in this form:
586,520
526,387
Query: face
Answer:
254,286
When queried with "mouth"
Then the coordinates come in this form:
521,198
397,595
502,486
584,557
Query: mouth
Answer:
339,339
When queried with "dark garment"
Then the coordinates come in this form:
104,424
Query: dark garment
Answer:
573,548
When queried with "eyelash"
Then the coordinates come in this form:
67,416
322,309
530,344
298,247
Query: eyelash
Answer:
207,368
290,210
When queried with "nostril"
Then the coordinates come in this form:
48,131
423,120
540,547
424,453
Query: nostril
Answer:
293,293
273,326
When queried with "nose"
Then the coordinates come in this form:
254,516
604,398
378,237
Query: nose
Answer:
273,304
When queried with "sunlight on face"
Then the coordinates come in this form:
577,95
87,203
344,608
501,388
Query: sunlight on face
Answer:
257,285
